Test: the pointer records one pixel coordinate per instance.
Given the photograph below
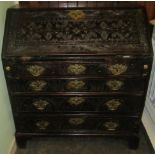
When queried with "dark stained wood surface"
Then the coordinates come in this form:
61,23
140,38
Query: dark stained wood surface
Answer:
149,5
41,32
36,80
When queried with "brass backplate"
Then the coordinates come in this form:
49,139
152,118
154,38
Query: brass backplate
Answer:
75,100
117,69
76,15
111,125
75,84
35,70
76,69
40,104
76,121
113,104
114,84
38,85
42,125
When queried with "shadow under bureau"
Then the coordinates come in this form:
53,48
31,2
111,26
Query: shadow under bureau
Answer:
77,72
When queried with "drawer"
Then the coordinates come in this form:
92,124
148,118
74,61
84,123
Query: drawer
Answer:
95,104
78,85
107,66
75,123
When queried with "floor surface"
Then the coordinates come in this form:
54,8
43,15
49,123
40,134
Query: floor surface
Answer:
82,145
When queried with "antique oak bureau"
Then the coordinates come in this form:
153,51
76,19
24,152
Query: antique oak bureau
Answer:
77,71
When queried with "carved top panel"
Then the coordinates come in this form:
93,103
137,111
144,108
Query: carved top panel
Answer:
70,31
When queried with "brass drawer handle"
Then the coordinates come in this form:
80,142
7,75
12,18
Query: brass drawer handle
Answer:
40,104
76,69
117,69
114,84
8,68
35,70
76,121
76,100
146,67
38,85
111,125
113,104
75,84
42,125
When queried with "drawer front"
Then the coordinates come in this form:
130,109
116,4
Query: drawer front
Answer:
112,104
78,85
108,66
75,123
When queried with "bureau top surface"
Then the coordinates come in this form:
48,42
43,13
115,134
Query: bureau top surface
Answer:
36,32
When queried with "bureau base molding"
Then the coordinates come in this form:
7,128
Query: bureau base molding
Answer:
131,138
149,126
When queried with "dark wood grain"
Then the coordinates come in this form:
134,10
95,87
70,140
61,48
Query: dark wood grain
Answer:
150,6
78,37
128,104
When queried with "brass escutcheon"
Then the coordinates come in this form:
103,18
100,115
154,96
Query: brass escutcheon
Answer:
75,84
76,14
42,125
75,100
111,125
113,104
76,69
38,85
114,84
40,104
76,121
35,70
117,69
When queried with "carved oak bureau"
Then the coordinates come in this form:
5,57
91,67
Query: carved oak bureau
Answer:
77,72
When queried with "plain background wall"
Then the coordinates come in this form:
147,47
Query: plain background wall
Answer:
6,121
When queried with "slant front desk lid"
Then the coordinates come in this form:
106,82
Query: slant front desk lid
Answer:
39,32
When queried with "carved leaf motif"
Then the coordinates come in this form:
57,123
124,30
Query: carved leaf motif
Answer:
48,36
49,29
